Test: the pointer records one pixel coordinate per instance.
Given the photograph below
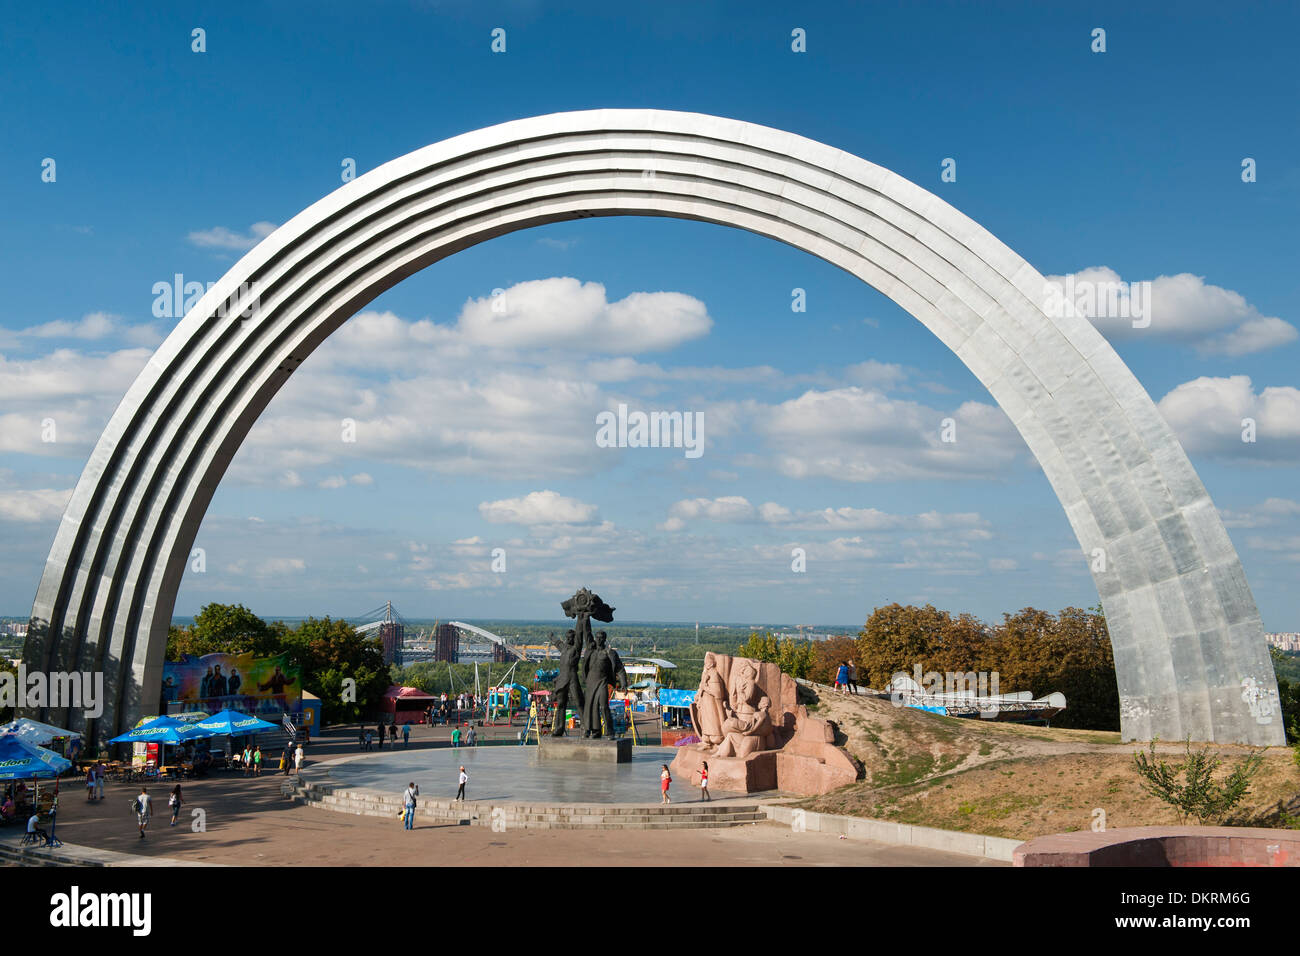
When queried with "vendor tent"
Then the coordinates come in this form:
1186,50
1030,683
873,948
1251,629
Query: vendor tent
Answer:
406,704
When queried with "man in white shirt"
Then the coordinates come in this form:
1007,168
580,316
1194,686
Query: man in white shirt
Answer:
33,828
408,804
143,809
464,779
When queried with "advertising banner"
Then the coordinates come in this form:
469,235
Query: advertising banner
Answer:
214,682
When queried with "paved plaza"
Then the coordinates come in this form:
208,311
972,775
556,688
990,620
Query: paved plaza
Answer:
514,774
248,822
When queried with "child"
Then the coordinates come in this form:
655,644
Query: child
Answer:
704,781
665,778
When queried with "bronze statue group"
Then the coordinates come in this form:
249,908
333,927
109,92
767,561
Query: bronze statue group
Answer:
589,668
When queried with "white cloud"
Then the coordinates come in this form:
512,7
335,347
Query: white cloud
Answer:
873,374
566,313
1207,415
728,508
1184,308
219,237
36,505
1255,335
538,508
856,434
735,509
94,325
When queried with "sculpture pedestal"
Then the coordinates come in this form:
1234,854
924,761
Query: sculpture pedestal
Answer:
751,774
587,749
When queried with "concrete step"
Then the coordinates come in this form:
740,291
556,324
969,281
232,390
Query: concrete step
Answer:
535,816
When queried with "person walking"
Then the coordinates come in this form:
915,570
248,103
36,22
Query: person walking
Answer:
842,679
471,738
369,741
853,677
665,778
381,733
408,804
392,733
361,738
286,760
297,760
143,810
247,760
455,736
462,779
174,801
704,781
90,784
100,773
406,735
257,761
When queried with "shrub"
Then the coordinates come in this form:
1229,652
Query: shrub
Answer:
1190,787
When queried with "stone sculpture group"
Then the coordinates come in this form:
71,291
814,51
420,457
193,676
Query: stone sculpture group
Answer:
755,736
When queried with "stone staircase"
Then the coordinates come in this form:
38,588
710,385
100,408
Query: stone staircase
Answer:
541,816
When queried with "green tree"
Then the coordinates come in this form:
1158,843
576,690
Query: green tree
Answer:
330,652
760,647
1288,692
795,657
224,629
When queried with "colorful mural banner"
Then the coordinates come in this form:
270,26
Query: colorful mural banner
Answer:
242,682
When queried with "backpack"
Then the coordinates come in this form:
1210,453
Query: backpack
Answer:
135,806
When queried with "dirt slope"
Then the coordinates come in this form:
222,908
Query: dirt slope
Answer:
1013,781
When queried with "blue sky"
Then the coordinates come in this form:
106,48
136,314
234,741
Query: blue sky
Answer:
170,161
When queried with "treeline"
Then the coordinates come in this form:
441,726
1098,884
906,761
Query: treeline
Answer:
1288,691
327,652
1031,650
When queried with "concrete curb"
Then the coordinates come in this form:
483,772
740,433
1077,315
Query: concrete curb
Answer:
70,854
896,834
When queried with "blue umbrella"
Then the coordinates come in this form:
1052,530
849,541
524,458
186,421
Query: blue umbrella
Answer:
161,730
19,759
233,723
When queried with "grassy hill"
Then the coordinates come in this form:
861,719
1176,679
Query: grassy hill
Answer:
1014,781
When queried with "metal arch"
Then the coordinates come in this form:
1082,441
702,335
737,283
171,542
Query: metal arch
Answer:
1188,641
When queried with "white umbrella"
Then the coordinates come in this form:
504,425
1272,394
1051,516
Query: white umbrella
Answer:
35,732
